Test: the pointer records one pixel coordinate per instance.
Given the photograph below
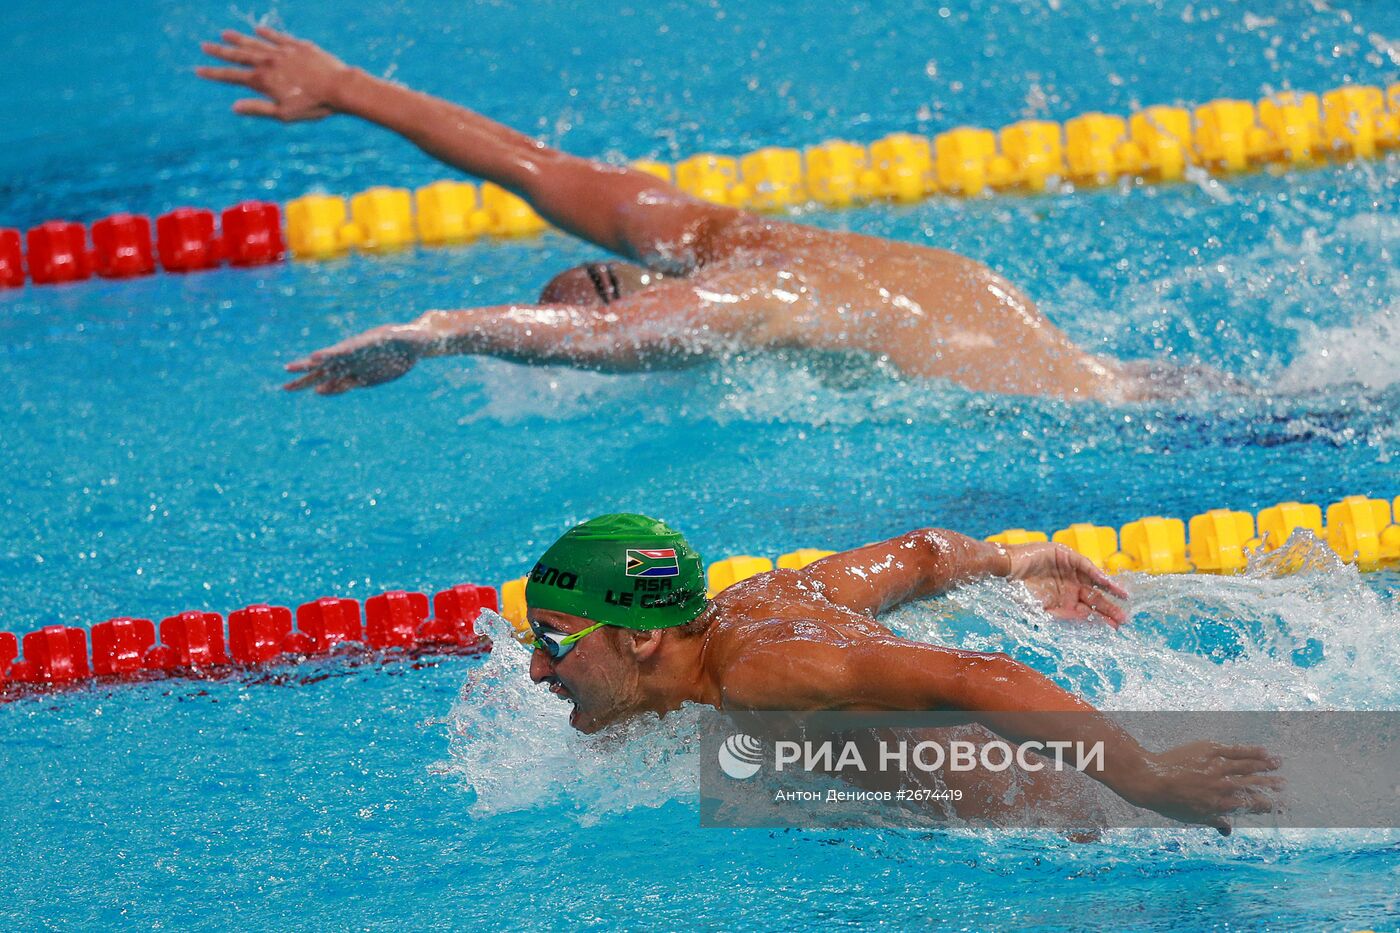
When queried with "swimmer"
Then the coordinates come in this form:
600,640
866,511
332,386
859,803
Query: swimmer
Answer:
698,280
622,627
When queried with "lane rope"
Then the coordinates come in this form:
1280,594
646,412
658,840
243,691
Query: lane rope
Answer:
196,643
1360,530
1157,144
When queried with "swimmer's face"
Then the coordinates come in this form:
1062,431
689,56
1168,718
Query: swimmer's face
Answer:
599,676
597,283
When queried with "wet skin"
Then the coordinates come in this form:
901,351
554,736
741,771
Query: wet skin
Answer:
729,279
810,639
699,280
929,312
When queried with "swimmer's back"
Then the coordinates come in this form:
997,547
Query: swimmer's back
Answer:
929,311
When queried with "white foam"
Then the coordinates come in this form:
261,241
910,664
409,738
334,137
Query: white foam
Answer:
1366,353
515,393
512,746
1322,638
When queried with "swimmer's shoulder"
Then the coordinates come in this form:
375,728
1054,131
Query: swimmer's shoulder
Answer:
765,613
728,233
764,661
761,592
738,233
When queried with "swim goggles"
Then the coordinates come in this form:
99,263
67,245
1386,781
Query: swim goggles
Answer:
556,645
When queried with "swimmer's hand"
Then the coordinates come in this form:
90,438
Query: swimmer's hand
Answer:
1067,584
1204,781
297,77
376,356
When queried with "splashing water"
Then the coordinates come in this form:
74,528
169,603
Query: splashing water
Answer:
512,745
1297,630
1367,352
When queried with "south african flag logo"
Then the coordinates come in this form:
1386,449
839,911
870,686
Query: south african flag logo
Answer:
654,562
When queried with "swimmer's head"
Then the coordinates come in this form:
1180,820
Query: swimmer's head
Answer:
600,600
597,283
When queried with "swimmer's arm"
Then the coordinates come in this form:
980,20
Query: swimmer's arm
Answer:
669,326
1194,783
881,576
621,209
582,336
878,577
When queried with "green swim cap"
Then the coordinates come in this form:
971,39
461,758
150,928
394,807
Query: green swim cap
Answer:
626,570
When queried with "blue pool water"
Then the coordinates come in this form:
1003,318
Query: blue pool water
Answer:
153,465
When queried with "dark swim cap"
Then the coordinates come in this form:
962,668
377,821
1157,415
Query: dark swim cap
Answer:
626,570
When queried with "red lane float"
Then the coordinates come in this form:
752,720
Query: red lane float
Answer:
392,619
121,246
257,633
252,233
194,642
190,640
58,253
11,259
9,650
56,654
328,622
185,240
119,646
455,612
